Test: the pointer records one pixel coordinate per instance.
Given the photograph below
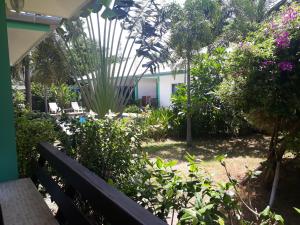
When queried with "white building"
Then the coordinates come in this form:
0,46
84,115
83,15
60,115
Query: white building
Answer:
159,86
155,89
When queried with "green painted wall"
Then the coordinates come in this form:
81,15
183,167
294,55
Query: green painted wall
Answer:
28,26
158,91
8,156
136,89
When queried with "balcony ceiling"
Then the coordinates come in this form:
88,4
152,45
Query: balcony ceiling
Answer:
37,19
58,8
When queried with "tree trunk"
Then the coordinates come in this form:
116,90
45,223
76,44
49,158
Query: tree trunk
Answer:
28,96
46,99
275,184
188,115
271,160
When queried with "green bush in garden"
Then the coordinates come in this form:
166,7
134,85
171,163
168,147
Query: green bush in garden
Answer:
263,82
194,198
31,129
110,148
18,98
156,123
132,109
63,95
210,115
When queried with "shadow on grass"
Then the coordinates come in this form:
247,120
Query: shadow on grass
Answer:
208,149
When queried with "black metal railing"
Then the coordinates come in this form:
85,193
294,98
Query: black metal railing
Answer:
116,208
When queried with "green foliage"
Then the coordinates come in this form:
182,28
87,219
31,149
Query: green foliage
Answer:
156,123
210,114
130,38
63,94
50,66
262,87
193,26
268,217
31,129
161,188
110,148
18,98
37,89
132,109
263,79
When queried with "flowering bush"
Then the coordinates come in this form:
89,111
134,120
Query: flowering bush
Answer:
264,79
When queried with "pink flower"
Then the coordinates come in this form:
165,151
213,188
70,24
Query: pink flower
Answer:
289,15
265,64
285,66
283,40
273,25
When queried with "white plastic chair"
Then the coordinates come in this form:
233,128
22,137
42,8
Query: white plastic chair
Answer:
76,107
53,108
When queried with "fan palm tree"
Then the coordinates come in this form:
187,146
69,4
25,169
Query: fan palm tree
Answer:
111,45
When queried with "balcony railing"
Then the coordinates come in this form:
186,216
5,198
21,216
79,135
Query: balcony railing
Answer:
114,206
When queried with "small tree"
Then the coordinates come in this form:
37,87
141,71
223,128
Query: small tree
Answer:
193,27
49,66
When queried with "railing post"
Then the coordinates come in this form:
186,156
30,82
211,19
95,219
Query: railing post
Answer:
8,156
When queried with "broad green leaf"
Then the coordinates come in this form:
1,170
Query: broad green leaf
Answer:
159,163
266,211
297,210
279,218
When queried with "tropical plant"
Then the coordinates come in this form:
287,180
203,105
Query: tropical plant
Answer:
49,66
193,27
63,94
246,15
156,123
132,109
264,84
31,129
210,114
18,98
114,43
110,148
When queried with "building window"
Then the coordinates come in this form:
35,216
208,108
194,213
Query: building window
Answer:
174,88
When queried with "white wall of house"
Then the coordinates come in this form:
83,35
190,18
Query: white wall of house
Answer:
165,87
147,87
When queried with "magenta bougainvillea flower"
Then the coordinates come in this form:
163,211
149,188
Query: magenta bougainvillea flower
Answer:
273,25
283,40
285,66
289,15
266,63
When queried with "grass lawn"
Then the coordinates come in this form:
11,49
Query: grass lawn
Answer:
241,153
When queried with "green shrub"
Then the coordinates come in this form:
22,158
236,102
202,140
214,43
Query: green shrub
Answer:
31,129
132,109
210,114
63,94
108,147
156,123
